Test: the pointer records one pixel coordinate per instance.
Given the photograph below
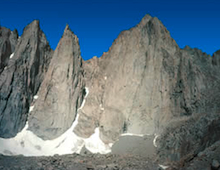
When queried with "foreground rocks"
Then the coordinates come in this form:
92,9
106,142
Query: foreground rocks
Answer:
206,160
77,162
187,138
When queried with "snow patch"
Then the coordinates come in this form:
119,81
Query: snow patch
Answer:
12,55
95,145
28,144
132,134
87,91
110,144
5,68
155,139
163,166
82,105
101,108
35,97
105,77
26,141
31,109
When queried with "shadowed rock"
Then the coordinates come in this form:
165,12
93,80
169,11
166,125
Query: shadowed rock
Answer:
20,81
8,41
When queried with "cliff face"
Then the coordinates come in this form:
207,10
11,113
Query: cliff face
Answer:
8,41
61,92
145,84
21,78
130,89
197,93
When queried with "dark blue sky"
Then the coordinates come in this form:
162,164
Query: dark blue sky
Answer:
98,22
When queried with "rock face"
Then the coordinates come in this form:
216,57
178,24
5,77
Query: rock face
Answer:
145,84
21,78
216,58
61,92
198,94
115,84
8,41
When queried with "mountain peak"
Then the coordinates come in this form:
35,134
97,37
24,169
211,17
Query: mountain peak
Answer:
67,28
144,85
145,20
33,24
67,31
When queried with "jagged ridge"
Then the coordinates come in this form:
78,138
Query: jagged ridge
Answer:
142,85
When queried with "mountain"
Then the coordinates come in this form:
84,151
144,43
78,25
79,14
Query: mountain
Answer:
61,92
145,85
22,77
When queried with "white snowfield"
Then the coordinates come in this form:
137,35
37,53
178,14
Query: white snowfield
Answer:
12,55
28,144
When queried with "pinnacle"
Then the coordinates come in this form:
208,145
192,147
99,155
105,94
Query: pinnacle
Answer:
67,28
145,19
67,31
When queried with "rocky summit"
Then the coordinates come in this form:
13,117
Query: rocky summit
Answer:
61,92
21,77
146,99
